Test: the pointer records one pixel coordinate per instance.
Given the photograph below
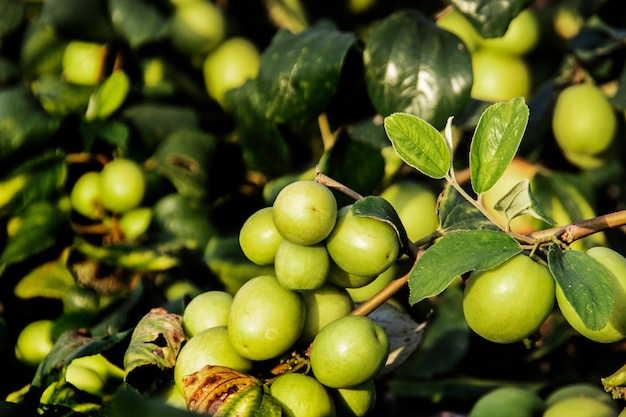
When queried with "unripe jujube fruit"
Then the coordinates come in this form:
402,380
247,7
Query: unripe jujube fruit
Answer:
302,396
322,306
259,238
209,309
122,185
301,267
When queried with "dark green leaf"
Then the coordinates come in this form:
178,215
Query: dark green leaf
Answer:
299,73
183,220
519,200
138,21
87,20
41,51
490,18
457,214
11,16
419,144
456,254
128,402
59,97
496,139
130,257
109,96
586,284
412,66
378,208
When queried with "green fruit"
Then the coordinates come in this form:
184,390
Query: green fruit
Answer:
229,66
583,121
206,310
508,303
302,396
453,21
615,328
122,185
322,306
265,318
580,390
135,222
301,267
83,62
85,379
360,294
343,279
209,347
85,195
34,342
579,407
357,401
362,245
305,212
259,238
521,37
349,351
197,27
499,77
169,394
416,206
508,402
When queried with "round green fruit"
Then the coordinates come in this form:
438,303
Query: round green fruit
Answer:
85,195
206,310
615,328
135,222
343,279
583,121
122,185
34,342
362,246
357,401
349,351
83,62
322,306
229,66
453,21
580,390
508,402
265,318
92,374
508,303
169,394
305,212
521,37
301,395
299,267
259,238
360,294
197,27
209,347
579,407
498,76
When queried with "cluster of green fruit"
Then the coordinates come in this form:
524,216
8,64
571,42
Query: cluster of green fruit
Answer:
509,303
499,68
573,400
118,189
318,252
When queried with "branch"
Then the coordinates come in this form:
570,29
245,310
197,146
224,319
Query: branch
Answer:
578,230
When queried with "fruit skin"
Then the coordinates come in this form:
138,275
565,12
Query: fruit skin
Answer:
580,390
343,279
615,329
34,342
197,27
83,62
508,303
265,318
122,185
209,347
365,292
85,195
322,306
583,121
453,21
521,36
416,206
302,396
206,310
299,267
228,66
259,238
499,77
305,212
357,401
361,245
135,222
349,351
508,402
579,407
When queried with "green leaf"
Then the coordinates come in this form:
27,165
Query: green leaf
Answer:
138,21
456,254
490,18
419,144
520,200
586,284
130,257
59,97
378,208
413,66
87,20
128,402
299,73
11,16
109,97
457,214
496,139
50,280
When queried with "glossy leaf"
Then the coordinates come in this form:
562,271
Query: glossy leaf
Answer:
412,66
520,200
586,284
457,214
154,345
50,280
138,21
378,208
419,144
299,73
109,96
61,98
462,252
491,19
495,142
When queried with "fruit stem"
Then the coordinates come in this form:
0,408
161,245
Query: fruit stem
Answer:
331,183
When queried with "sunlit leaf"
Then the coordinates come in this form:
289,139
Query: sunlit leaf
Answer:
109,96
50,280
520,200
457,214
491,19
